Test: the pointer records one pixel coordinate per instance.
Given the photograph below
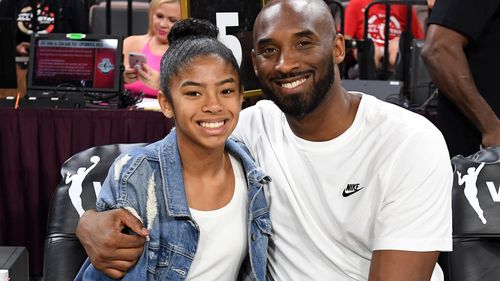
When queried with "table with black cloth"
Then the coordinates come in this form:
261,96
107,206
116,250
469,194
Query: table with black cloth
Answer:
35,142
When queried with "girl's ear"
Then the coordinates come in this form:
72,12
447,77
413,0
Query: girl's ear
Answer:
242,96
166,107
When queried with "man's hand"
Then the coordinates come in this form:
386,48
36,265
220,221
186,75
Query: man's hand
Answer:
492,137
22,49
109,250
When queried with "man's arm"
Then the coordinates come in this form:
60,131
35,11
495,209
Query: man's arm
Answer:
390,265
415,221
444,56
430,3
23,49
109,250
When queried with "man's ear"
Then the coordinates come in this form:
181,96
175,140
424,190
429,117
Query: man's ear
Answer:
338,49
254,58
165,106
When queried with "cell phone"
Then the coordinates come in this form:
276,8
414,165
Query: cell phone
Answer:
136,59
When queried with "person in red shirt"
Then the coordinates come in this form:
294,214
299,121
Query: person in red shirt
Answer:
354,27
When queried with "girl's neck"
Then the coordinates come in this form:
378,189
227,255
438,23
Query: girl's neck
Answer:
200,161
208,177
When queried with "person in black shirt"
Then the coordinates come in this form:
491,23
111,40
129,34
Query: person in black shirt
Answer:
461,54
61,16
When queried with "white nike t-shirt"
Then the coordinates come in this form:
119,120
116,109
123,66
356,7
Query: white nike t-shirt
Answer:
385,183
222,246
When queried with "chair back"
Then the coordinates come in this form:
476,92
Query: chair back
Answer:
82,176
476,218
119,24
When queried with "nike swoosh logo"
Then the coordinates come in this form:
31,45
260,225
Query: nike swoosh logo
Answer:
351,189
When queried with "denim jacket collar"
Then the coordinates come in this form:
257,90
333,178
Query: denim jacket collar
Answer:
173,180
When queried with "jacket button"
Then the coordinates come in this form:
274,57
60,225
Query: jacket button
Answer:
253,237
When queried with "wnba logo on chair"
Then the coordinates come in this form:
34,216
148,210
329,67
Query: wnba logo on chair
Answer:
76,181
473,189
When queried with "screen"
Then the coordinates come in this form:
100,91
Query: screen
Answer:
8,78
86,64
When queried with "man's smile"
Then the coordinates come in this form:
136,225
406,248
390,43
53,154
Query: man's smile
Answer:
293,84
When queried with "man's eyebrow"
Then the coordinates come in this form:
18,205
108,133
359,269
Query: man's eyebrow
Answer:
299,34
304,33
264,41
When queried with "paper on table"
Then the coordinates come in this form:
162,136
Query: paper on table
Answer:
148,104
4,275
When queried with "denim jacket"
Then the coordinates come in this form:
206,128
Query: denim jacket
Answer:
149,182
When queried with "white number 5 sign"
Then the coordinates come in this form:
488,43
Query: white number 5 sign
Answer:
222,21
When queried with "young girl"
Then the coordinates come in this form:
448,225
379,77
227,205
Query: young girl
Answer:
198,193
144,78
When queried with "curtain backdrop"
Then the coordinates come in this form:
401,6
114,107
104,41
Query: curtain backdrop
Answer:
35,142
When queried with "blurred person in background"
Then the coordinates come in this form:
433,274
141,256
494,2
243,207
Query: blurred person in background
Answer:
461,54
354,28
144,78
53,16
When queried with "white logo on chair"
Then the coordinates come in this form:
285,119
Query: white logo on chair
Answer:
495,193
75,190
470,189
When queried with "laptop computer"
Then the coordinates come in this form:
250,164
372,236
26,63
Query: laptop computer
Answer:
383,90
62,66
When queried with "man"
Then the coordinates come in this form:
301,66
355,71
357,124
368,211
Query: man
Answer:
61,16
461,54
361,188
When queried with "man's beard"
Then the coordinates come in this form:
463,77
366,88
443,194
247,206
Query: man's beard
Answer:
298,105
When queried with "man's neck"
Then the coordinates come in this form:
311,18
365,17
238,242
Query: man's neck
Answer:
331,119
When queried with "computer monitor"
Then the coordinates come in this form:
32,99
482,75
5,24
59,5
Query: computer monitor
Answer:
74,63
8,78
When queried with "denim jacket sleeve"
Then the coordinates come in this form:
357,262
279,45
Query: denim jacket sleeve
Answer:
125,187
115,193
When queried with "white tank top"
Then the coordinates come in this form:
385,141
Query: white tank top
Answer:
223,235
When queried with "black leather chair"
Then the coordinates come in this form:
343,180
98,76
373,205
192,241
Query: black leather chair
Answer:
82,176
476,218
119,24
